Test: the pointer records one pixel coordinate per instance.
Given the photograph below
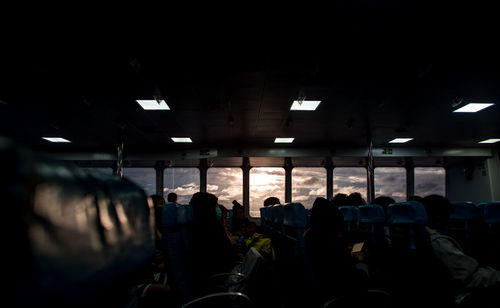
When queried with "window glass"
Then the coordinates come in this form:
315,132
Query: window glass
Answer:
185,182
144,177
391,182
429,181
308,184
347,180
226,184
264,183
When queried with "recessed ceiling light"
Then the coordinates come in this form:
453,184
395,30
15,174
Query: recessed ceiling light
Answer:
181,139
305,105
56,139
283,140
152,104
400,140
490,141
474,107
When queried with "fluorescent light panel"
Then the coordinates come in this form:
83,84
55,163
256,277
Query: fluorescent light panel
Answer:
400,140
490,141
56,139
182,139
283,140
474,107
305,105
152,104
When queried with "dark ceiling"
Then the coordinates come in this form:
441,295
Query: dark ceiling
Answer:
385,75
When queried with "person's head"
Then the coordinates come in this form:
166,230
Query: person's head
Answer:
438,210
355,199
204,206
172,197
339,199
384,202
158,200
325,217
238,211
271,201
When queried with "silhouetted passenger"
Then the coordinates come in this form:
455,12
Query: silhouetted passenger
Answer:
464,270
332,264
355,199
172,197
241,225
158,203
339,200
271,201
211,249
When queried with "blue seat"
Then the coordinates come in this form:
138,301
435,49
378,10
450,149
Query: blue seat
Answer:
411,212
277,217
372,216
295,215
461,220
491,212
406,220
351,216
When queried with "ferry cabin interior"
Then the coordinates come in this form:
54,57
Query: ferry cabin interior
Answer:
231,105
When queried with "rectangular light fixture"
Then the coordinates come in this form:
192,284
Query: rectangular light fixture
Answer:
474,107
283,140
182,140
400,140
490,141
305,105
152,104
56,139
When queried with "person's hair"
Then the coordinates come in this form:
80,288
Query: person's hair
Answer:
271,201
339,199
415,198
172,197
438,210
204,205
324,215
236,206
156,198
384,202
355,199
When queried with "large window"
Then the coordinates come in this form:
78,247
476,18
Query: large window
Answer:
308,184
144,177
429,181
226,184
347,180
391,182
185,182
265,182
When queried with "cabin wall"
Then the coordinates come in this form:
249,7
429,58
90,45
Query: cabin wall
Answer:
493,169
476,187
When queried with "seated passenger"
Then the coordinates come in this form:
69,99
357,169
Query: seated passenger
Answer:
355,199
241,225
336,271
464,270
210,247
172,197
271,201
339,200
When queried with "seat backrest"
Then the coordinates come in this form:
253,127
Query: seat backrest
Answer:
76,237
176,244
351,216
492,212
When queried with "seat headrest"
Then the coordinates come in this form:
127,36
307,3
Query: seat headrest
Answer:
169,215
464,211
350,212
278,213
77,232
411,212
492,212
371,213
295,215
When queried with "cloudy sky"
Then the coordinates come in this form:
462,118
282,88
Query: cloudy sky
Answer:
307,183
